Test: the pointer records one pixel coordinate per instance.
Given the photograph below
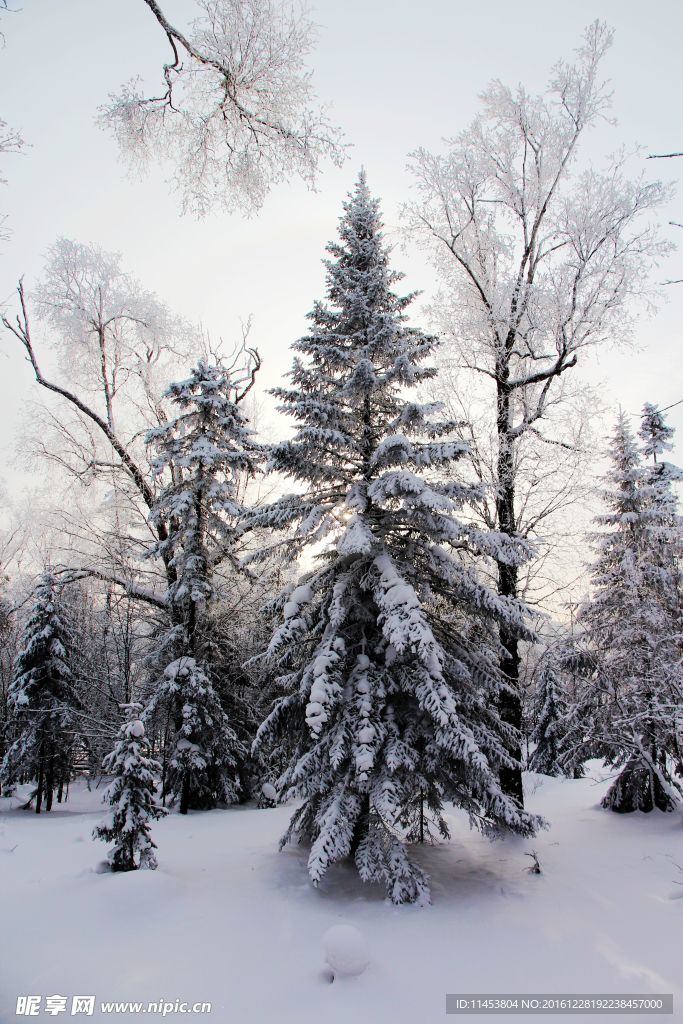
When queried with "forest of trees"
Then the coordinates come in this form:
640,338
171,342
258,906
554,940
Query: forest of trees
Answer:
348,618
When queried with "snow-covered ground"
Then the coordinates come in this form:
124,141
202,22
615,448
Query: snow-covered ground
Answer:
229,920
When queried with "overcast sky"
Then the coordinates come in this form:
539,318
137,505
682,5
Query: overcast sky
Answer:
397,75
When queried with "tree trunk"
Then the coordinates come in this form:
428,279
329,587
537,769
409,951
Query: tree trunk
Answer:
185,794
164,764
510,706
39,791
50,784
360,829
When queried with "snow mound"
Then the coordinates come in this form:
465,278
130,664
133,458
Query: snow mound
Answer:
269,792
346,950
20,794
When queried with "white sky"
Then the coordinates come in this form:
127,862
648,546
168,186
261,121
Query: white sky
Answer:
397,74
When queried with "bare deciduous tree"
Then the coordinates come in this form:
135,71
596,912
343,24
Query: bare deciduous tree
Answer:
673,223
539,262
236,112
11,141
114,342
112,335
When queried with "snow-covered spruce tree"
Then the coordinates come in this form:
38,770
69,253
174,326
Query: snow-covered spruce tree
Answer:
388,703
8,650
549,710
42,702
203,763
633,625
579,734
131,795
664,531
205,453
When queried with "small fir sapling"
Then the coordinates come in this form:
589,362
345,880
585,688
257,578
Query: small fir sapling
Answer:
132,797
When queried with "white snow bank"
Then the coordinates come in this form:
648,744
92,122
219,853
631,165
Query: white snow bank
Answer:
228,919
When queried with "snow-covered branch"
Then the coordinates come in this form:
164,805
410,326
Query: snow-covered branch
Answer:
236,113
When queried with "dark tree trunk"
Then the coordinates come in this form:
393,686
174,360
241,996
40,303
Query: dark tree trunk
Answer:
50,784
510,708
39,791
185,794
164,763
508,586
360,829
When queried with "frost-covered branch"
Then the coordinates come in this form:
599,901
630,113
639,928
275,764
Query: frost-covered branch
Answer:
236,113
22,332
127,586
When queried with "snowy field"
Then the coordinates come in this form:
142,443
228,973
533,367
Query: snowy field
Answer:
229,920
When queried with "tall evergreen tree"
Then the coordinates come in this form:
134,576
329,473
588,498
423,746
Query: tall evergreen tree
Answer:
131,795
633,622
664,528
206,453
579,731
8,639
390,704
42,701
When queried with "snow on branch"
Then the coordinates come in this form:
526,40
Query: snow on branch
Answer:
236,112
22,331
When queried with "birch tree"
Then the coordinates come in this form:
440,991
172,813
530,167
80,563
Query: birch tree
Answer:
236,112
539,260
114,342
